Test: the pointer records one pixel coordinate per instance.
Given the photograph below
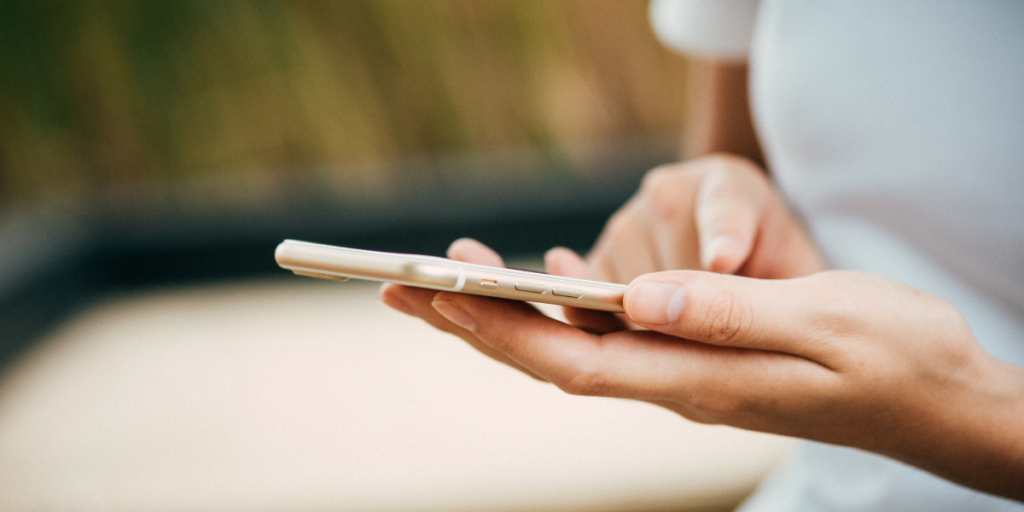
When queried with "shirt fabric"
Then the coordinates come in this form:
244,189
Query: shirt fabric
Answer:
896,129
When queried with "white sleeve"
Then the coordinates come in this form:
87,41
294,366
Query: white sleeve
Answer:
713,29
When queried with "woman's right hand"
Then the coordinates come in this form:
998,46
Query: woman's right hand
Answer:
718,213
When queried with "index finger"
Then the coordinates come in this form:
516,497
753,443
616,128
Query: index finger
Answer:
729,209
641,365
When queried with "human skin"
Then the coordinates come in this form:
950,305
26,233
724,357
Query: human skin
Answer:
785,347
719,117
838,357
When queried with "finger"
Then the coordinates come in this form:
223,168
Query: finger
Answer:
783,249
418,302
624,250
631,364
730,205
472,251
561,261
729,311
668,197
677,244
574,360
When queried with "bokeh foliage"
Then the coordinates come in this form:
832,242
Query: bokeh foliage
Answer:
139,94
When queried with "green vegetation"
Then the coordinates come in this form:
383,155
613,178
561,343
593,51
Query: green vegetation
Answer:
248,96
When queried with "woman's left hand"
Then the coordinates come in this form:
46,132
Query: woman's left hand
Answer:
839,357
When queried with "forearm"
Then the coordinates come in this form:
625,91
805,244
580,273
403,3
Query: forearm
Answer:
976,437
720,118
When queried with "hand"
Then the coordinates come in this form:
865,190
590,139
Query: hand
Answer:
418,302
839,357
718,213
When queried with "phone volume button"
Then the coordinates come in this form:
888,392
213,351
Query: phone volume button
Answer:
567,292
532,288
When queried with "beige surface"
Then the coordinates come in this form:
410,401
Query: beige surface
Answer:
307,395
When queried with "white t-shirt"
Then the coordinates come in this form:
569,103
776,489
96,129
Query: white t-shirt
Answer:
896,128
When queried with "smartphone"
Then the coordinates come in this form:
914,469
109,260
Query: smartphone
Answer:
342,263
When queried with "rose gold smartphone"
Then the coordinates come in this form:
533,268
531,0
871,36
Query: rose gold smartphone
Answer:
341,263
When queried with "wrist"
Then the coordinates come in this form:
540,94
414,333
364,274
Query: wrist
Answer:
976,434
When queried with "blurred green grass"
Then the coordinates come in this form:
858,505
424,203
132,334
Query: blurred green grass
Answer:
249,96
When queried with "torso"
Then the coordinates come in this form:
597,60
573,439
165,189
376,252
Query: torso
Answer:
897,130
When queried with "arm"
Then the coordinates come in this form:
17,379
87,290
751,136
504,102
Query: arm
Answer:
839,357
656,231
720,118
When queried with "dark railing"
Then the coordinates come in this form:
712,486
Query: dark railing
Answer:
52,265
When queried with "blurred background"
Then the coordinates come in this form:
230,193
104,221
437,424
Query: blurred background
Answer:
152,155
183,104
150,141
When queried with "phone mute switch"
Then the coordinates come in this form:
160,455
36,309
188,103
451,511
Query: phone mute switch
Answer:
567,292
533,288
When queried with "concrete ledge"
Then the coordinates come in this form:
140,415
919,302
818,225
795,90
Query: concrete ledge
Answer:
297,394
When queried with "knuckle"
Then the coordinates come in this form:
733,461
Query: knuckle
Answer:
669,190
718,407
499,339
828,324
736,174
585,383
668,202
733,163
619,222
831,316
658,178
947,332
725,318
738,171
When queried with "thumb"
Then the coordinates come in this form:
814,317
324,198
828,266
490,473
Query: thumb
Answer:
721,310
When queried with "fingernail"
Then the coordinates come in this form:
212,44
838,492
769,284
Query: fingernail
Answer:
455,314
711,250
655,303
394,302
